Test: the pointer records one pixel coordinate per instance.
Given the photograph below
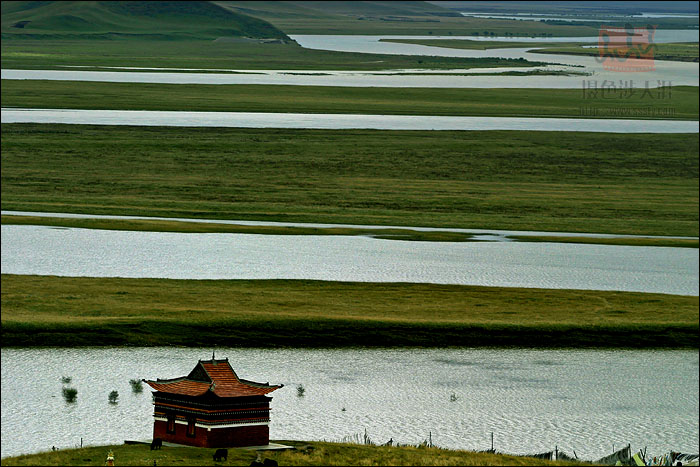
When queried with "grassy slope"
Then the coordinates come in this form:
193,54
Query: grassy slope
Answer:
95,19
309,453
91,19
324,99
416,18
573,182
63,311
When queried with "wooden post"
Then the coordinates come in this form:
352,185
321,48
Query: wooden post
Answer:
492,440
556,453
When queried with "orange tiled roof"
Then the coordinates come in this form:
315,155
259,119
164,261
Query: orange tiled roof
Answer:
180,386
212,375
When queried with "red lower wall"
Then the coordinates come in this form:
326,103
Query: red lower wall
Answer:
257,435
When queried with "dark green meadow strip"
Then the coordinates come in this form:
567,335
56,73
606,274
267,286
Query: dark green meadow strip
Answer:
640,241
66,312
569,103
319,333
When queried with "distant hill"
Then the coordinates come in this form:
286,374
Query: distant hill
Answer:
271,10
170,20
559,7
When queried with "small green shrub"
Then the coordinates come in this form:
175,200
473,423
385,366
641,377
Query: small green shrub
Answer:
70,394
136,385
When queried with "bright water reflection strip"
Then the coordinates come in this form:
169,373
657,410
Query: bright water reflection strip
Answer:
44,250
533,400
338,121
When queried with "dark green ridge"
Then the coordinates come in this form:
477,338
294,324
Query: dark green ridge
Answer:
130,19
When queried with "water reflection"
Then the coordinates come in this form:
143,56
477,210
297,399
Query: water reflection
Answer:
108,253
339,121
585,401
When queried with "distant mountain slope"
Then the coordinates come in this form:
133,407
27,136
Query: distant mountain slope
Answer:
270,10
559,7
142,19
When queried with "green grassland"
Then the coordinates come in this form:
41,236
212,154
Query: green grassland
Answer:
306,453
482,45
404,18
640,184
331,99
208,20
641,241
74,311
430,25
682,52
226,54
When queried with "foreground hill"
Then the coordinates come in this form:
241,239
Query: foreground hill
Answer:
117,20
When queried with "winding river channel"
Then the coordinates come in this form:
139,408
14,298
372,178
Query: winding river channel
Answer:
665,73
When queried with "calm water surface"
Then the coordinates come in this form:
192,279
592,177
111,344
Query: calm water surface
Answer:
532,400
339,121
109,253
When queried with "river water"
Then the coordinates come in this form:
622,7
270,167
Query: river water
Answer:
339,121
665,73
532,400
108,253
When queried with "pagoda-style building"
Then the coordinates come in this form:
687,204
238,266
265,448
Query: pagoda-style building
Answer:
212,407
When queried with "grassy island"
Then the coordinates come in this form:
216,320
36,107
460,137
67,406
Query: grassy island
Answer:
641,184
81,311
